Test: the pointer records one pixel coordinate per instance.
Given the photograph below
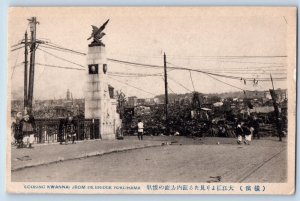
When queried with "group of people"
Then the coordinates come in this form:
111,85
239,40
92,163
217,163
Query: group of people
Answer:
244,129
247,129
24,129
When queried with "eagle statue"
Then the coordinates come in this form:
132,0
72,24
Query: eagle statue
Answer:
97,33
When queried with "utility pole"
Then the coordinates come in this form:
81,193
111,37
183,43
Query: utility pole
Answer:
166,92
25,71
276,110
33,23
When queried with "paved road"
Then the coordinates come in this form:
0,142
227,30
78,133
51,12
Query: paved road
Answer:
52,153
262,161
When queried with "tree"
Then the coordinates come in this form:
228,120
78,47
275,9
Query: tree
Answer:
196,100
121,99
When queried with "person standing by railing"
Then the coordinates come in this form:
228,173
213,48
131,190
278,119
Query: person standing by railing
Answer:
17,130
70,129
60,135
28,128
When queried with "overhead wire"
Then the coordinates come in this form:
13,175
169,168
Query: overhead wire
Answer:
58,57
222,75
17,48
132,86
45,61
246,62
168,85
226,83
134,74
187,69
23,38
192,80
180,84
57,47
232,56
208,72
15,65
57,66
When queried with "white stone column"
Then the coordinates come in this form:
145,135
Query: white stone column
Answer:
97,100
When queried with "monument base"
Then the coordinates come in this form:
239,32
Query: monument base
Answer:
108,136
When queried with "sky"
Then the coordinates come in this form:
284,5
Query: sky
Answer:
207,39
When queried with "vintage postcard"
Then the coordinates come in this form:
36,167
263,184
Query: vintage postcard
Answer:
151,100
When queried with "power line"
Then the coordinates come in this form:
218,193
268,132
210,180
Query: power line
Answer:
247,71
246,62
62,58
234,56
225,76
245,68
137,56
134,64
53,48
118,74
188,69
192,80
252,73
130,76
134,74
57,47
17,48
23,38
14,67
180,84
225,83
210,57
63,67
132,86
168,85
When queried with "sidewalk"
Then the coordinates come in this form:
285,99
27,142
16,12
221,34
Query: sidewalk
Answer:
53,153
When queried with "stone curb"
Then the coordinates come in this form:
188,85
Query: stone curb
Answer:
86,155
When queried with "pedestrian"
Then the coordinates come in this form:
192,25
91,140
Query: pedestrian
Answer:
140,126
17,128
60,135
239,132
70,129
28,128
247,133
279,128
255,126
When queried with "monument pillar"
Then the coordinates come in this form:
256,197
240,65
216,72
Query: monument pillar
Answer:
99,105
97,99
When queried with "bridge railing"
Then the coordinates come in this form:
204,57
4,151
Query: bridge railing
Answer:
53,130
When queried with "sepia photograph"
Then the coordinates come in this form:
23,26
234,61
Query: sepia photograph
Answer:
151,100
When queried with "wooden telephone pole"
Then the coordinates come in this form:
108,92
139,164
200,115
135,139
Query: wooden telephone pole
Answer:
166,92
25,70
276,110
33,23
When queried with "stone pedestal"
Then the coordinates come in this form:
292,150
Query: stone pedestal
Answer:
98,104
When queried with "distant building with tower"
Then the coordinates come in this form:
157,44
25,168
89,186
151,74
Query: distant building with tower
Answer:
69,95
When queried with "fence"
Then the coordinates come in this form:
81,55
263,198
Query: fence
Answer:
53,130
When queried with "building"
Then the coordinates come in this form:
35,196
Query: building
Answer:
141,101
132,101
